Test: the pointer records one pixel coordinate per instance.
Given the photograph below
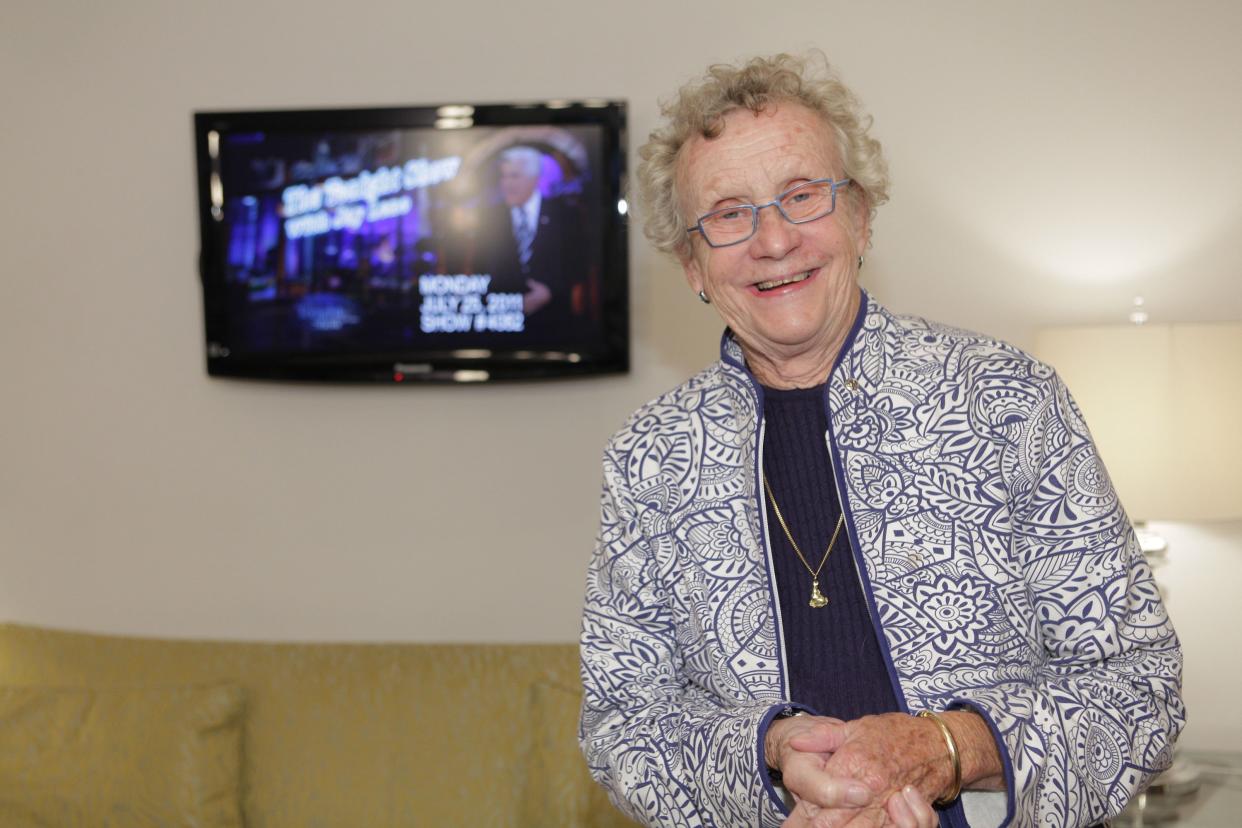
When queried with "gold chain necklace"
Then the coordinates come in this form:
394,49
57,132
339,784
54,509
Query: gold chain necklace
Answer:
818,599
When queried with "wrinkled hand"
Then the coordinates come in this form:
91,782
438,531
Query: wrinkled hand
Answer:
874,771
905,809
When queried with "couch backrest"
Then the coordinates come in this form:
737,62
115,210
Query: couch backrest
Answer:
365,734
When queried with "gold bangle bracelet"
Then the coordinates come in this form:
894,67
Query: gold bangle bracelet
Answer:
954,757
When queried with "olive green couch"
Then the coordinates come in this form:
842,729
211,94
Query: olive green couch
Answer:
110,730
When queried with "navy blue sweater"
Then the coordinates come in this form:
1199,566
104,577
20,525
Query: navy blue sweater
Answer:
835,662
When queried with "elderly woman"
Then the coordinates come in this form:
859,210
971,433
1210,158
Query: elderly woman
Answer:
865,566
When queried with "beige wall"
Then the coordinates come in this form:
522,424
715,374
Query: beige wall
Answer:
1049,161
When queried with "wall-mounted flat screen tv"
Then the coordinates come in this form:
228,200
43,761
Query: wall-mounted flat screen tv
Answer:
458,243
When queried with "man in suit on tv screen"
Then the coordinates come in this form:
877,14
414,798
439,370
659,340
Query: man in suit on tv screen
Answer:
531,243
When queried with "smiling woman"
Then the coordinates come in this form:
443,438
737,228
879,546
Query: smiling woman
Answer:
923,482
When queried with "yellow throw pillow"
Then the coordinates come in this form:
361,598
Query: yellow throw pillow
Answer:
164,756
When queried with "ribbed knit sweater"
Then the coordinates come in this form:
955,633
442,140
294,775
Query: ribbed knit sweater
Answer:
835,665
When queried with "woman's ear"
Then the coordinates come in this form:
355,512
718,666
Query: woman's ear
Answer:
862,221
694,273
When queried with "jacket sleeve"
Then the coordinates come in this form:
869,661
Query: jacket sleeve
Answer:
669,752
1104,711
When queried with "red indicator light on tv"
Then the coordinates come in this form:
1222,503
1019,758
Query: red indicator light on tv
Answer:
398,376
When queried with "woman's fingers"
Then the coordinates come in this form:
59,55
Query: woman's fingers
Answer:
908,808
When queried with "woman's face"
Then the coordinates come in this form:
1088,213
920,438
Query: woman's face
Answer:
788,289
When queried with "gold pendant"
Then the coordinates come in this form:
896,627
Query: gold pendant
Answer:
817,598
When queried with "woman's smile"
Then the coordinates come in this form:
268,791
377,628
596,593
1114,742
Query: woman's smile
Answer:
783,286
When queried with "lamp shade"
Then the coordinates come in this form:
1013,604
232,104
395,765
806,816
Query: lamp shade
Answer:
1164,404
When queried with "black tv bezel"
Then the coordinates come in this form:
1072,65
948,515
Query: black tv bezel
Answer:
415,366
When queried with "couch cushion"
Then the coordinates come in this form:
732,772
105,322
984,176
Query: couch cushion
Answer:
361,734
561,791
161,756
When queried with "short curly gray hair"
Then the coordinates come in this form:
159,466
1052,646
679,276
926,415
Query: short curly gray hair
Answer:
700,107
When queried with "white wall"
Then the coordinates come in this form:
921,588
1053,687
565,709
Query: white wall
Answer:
1199,578
1049,161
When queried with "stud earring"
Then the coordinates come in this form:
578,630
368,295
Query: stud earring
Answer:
703,298
860,262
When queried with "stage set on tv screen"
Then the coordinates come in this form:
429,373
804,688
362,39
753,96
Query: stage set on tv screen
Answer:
410,252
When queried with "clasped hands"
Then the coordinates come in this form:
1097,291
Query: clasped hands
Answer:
880,770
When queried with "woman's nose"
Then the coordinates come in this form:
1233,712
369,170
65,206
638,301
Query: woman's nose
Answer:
774,235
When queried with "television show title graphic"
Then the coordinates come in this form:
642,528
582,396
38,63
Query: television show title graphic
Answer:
347,203
459,303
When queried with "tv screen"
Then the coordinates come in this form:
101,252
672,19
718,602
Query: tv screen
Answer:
447,243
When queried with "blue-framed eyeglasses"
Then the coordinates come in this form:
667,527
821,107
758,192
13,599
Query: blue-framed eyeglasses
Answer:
798,205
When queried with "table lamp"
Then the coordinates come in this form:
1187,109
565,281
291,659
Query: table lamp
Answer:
1164,404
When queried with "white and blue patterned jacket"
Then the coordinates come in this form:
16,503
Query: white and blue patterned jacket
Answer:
1000,570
